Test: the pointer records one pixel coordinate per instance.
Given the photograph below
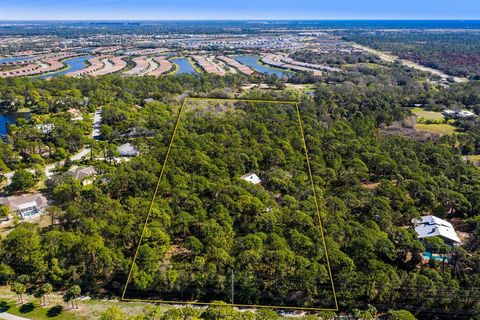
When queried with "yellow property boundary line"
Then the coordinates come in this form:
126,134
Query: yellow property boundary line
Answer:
177,122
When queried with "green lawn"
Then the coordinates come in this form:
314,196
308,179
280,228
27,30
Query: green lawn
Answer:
32,310
442,129
365,65
300,87
24,110
427,115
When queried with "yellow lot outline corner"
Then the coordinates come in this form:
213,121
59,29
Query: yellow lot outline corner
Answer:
177,122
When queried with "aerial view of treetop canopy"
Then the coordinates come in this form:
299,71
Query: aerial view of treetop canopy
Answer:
238,215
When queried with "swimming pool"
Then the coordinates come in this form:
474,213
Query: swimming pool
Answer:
428,255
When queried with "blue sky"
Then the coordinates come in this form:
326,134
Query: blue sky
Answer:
237,9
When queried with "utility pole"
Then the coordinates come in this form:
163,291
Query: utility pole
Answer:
232,288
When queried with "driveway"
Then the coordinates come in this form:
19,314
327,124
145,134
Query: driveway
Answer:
8,316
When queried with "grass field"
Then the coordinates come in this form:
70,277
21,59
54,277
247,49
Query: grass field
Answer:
88,309
364,65
441,129
428,115
41,221
300,87
32,310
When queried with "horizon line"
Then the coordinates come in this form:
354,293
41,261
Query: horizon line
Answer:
240,19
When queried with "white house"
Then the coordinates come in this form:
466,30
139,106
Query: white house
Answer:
431,226
45,128
26,205
128,150
252,178
463,114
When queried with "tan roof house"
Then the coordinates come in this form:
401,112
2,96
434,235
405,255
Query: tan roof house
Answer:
84,174
26,205
75,114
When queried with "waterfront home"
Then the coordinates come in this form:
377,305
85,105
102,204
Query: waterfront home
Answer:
27,205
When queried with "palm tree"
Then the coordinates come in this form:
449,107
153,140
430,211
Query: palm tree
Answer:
48,288
71,294
19,289
39,293
76,290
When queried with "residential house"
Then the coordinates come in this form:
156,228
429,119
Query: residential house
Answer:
75,114
84,174
252,178
128,150
431,226
45,128
26,205
463,114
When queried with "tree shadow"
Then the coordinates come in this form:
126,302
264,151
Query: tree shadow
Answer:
27,307
4,306
54,311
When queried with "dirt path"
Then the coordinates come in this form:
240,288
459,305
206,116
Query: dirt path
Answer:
392,58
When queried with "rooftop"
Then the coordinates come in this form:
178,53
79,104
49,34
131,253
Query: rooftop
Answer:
82,172
24,201
430,226
251,177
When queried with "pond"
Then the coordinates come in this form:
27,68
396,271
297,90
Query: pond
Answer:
184,66
73,64
252,62
9,118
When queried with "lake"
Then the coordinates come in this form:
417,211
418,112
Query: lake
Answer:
252,62
73,64
184,66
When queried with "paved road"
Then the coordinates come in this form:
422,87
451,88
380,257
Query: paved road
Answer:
82,153
97,123
8,316
391,58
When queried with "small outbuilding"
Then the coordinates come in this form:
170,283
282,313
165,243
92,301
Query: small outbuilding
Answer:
431,226
252,178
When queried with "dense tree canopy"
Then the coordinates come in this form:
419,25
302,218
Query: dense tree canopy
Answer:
207,223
